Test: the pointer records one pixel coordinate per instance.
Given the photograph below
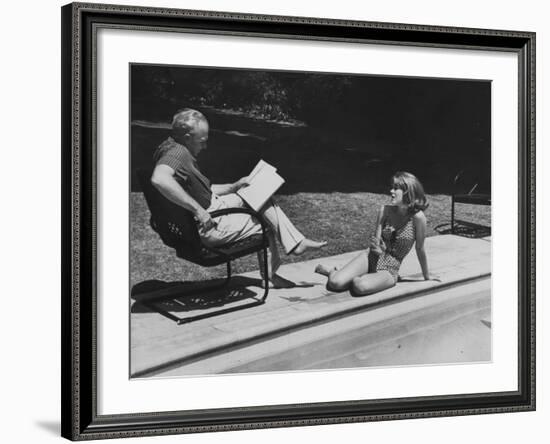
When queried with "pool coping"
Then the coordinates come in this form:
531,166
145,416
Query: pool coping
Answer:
157,346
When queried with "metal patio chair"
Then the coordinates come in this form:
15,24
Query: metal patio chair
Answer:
476,194
177,228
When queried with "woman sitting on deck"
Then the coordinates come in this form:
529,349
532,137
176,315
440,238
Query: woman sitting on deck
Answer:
398,227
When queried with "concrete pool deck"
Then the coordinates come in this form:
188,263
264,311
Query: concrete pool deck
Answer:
158,343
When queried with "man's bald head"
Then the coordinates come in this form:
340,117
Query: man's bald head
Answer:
190,128
187,119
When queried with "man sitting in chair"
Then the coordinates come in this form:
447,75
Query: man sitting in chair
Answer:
178,178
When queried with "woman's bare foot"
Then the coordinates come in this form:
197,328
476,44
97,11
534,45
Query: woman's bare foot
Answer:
277,281
324,270
307,244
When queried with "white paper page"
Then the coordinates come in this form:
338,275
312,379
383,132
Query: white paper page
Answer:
265,184
260,167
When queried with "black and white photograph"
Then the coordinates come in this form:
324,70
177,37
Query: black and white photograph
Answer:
299,221
275,222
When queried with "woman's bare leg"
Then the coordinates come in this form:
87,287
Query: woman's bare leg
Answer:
324,269
372,282
341,279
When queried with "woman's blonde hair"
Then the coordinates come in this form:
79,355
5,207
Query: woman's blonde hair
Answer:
413,191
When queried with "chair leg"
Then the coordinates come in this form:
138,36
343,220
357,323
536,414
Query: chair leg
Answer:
266,277
224,284
453,214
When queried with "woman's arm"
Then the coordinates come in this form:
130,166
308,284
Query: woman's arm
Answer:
379,221
419,220
376,244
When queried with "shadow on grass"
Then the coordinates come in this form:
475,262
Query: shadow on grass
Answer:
464,229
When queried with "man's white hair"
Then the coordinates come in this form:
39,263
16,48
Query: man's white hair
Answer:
187,119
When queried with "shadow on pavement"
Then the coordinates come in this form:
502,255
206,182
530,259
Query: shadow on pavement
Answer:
165,297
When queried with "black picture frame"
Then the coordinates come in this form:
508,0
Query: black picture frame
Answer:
79,210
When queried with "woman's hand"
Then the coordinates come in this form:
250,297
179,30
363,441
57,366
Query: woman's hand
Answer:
432,277
376,246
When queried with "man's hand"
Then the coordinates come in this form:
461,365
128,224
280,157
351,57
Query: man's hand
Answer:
228,188
204,220
242,182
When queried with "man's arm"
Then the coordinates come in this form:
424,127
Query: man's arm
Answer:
223,189
228,188
163,180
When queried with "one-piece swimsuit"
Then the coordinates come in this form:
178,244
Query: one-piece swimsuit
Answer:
398,243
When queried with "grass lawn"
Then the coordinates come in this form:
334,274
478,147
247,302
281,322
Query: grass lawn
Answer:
345,220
